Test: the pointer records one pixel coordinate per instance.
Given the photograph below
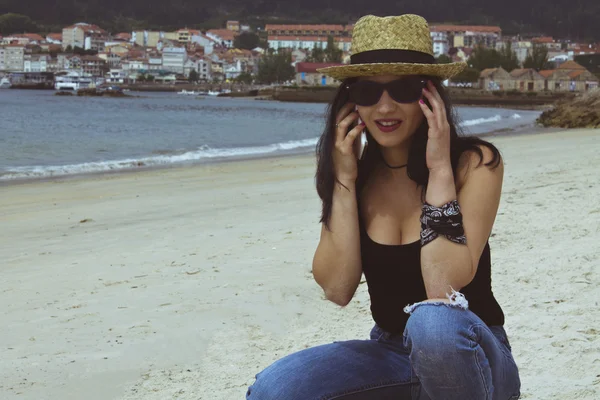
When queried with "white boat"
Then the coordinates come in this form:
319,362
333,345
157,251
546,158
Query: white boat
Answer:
5,83
188,93
73,82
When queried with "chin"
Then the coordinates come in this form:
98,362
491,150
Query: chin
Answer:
390,140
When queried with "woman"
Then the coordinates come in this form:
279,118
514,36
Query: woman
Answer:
414,215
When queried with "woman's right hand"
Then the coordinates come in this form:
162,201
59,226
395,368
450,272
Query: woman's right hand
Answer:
344,160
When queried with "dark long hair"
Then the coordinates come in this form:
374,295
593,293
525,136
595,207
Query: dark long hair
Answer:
417,166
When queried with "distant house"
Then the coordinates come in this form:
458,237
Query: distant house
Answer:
307,74
307,36
233,26
467,35
494,79
54,38
173,59
85,36
222,36
526,79
569,77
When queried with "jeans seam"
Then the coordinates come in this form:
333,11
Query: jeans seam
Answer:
477,361
365,388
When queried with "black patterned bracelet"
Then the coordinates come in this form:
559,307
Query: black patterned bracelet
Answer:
445,220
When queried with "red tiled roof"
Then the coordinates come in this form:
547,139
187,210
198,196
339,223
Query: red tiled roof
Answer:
515,73
225,34
192,31
30,36
546,72
487,72
543,39
571,65
576,73
55,36
123,36
463,28
312,67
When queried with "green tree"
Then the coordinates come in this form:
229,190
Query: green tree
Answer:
590,61
483,58
317,55
244,77
193,77
537,57
246,40
333,53
508,58
275,67
469,74
16,23
443,59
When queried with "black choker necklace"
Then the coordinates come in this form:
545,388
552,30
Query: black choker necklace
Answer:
391,166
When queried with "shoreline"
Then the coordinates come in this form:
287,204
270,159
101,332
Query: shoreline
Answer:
524,131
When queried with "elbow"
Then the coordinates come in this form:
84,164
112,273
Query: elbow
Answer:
341,299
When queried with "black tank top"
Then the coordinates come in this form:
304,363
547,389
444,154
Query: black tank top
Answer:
394,279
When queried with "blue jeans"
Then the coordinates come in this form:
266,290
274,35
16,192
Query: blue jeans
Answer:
446,353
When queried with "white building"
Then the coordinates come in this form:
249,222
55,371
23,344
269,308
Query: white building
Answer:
35,63
307,42
147,38
116,76
232,70
85,36
54,38
222,36
470,35
14,58
2,55
204,41
440,43
155,63
173,59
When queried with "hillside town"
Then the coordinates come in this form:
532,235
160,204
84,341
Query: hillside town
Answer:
87,51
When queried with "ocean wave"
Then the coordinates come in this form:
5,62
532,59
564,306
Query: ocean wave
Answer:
479,121
203,153
495,118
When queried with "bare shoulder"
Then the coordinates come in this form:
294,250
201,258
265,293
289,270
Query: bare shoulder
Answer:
484,167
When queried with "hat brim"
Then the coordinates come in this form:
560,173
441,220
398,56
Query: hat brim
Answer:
444,71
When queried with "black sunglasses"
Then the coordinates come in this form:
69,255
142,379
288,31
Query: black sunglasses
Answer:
404,90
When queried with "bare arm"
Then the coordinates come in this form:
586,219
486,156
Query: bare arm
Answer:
446,264
337,265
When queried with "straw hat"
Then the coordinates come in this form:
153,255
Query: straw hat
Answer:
395,45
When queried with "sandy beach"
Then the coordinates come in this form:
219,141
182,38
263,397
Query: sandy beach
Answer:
183,283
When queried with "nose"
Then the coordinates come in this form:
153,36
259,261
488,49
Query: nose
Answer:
386,104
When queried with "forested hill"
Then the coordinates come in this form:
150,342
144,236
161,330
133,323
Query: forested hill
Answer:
574,19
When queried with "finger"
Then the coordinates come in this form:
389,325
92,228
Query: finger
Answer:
433,90
342,114
353,134
431,121
344,125
436,107
344,111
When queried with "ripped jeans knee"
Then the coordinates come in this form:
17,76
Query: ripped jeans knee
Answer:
457,299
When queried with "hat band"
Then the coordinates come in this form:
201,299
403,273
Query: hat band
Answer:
391,56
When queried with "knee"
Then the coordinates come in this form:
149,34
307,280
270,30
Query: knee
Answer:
436,332
276,382
265,387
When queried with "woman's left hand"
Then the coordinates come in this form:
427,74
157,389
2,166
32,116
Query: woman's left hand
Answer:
438,144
